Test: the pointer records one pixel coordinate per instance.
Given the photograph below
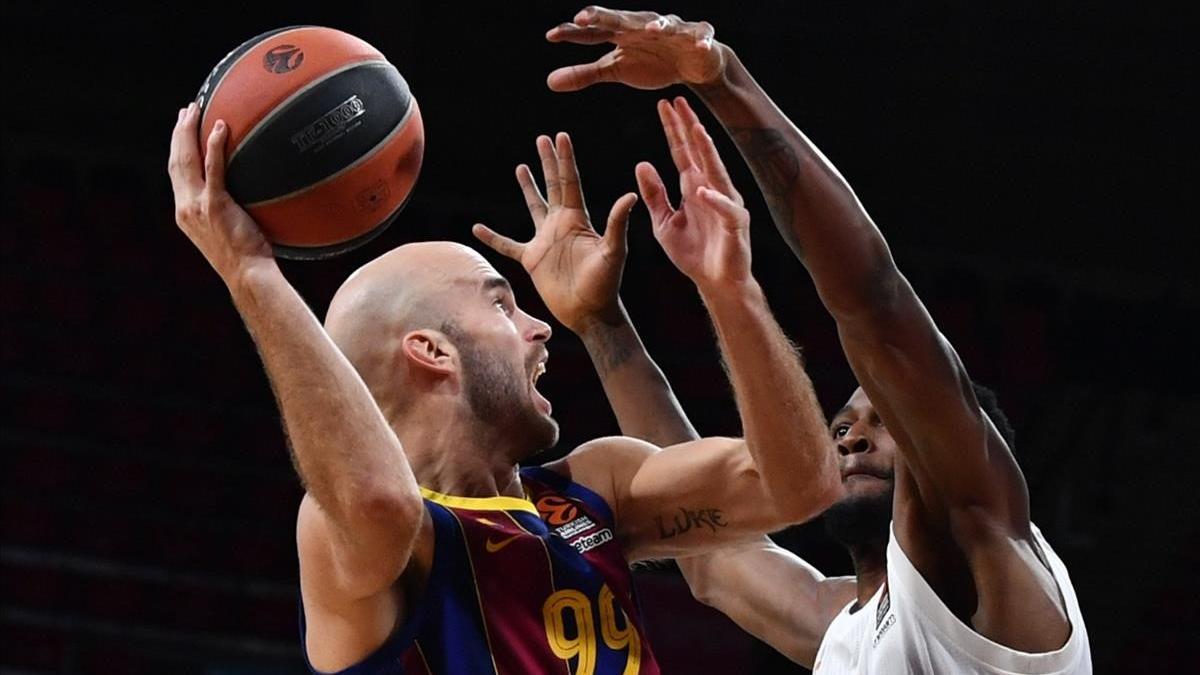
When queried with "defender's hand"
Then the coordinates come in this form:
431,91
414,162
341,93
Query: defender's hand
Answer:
708,236
652,51
575,270
226,235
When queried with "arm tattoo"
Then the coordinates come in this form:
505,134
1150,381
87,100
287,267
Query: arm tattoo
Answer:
776,167
609,349
688,519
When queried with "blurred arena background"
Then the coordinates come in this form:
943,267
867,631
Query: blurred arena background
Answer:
1025,160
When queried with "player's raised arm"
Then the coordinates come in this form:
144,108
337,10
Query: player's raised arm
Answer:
970,488
361,517
889,337
701,494
708,239
577,273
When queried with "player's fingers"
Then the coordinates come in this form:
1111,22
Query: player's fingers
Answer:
710,162
499,243
701,31
613,19
549,171
654,193
173,155
729,211
574,78
703,150
533,196
568,172
214,157
184,165
580,35
616,230
685,112
676,141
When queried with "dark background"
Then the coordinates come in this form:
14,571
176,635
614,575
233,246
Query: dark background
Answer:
1026,163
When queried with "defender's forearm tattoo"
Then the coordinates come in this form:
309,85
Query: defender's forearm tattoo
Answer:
776,168
610,347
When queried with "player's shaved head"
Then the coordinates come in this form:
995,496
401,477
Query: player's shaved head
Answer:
435,319
403,290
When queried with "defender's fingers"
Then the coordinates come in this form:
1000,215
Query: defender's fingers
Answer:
616,229
568,172
549,171
675,141
574,78
702,31
499,243
214,157
533,196
613,19
580,35
654,193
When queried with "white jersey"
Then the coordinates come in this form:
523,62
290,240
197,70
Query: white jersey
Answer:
905,628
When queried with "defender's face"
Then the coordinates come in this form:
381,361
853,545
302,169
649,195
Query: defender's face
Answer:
866,451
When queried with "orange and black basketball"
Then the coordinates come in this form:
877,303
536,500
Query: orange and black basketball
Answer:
325,138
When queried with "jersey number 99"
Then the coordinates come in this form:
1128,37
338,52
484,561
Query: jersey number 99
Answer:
582,645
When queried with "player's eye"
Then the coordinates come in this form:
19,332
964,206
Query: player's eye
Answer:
840,430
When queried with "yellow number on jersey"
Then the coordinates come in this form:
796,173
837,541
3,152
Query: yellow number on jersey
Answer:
619,638
583,643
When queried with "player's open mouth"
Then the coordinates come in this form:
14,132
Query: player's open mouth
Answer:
541,402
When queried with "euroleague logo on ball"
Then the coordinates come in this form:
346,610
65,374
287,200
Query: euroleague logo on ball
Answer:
283,59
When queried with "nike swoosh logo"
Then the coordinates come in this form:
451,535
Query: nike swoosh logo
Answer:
493,546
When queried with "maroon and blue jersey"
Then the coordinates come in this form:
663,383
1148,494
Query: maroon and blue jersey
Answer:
520,586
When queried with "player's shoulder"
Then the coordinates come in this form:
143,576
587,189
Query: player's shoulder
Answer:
601,455
605,463
611,449
598,463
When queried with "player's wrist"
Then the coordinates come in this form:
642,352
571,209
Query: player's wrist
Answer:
720,80
730,293
605,321
246,276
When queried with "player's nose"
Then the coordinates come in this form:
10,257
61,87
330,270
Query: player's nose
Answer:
537,330
852,443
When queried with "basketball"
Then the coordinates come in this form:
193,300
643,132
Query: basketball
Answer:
325,139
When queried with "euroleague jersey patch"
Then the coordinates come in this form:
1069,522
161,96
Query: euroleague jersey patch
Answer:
565,519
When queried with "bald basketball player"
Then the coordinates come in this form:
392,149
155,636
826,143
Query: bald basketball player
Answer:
423,546
951,575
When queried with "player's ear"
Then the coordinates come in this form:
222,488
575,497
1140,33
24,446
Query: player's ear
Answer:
429,350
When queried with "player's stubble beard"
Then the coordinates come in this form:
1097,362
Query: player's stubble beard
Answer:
861,521
498,395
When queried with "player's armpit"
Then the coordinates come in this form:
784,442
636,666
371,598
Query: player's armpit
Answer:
353,598
680,500
770,593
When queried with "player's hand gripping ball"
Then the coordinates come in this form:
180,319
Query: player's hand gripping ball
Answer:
325,139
